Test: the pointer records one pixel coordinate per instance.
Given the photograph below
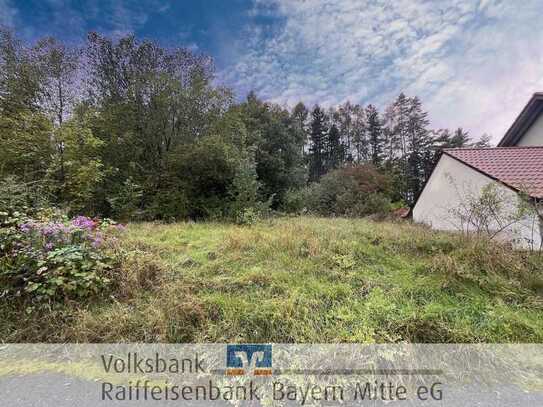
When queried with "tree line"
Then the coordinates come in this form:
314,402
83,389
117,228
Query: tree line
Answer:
130,129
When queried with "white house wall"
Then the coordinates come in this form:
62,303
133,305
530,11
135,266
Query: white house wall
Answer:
450,184
534,135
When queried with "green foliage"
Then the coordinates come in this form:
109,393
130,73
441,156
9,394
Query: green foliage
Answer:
300,201
274,136
247,216
317,152
50,261
79,170
26,149
169,205
21,197
203,174
246,208
352,191
126,202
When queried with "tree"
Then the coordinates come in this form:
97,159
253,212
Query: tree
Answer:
359,129
336,151
273,133
152,104
483,142
21,79
317,150
492,211
149,134
410,146
300,115
24,130
345,115
59,65
26,149
84,171
420,158
246,206
375,135
444,139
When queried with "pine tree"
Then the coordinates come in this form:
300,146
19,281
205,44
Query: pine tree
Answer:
335,149
317,152
444,139
345,115
409,144
375,135
299,116
360,142
419,144
460,138
483,142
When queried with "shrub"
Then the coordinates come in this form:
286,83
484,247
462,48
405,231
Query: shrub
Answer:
18,196
300,200
353,191
246,208
126,203
47,261
248,216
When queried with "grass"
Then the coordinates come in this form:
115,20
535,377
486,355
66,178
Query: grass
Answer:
302,279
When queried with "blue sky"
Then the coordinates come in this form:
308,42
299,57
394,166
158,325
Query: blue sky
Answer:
474,63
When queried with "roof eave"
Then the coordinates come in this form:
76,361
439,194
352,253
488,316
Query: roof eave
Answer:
524,121
444,152
512,187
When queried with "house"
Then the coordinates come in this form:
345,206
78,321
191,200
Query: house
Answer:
495,191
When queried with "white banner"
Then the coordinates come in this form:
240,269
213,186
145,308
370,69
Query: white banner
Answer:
271,374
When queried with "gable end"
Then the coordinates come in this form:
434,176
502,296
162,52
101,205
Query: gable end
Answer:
523,122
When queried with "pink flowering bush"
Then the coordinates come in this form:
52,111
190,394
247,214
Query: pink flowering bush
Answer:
51,260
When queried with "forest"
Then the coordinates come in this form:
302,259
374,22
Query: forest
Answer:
128,129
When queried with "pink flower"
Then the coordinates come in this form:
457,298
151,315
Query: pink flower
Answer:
27,226
84,223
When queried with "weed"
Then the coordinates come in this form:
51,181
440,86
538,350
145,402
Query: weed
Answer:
302,280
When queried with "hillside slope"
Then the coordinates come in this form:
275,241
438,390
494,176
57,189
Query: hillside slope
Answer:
305,280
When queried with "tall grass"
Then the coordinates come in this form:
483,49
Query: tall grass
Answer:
303,280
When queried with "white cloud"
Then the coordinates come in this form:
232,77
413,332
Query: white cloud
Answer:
474,63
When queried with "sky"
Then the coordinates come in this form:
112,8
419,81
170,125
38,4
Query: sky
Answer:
474,63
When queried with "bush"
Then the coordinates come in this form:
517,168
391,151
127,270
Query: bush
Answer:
18,196
246,208
47,261
126,203
168,205
353,191
300,201
248,216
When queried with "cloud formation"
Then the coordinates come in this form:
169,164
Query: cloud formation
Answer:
474,63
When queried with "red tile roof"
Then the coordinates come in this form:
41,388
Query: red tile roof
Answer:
518,167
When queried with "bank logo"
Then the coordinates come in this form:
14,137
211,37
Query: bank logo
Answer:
249,359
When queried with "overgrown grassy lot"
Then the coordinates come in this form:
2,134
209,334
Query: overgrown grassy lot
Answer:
302,280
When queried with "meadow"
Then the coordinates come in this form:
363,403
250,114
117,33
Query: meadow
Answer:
300,279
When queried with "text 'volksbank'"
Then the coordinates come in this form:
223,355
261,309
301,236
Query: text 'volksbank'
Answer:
134,363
